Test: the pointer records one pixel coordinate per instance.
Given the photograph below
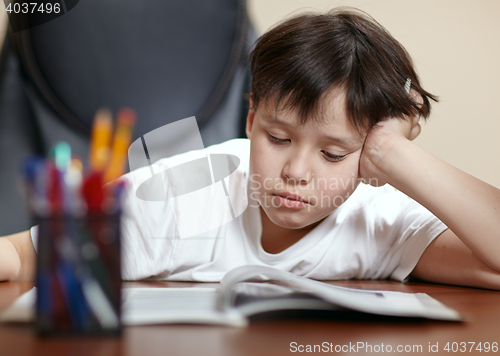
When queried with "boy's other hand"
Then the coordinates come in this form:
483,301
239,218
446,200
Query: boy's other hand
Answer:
384,137
10,263
17,257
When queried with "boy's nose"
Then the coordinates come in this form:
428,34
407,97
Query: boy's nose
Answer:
297,169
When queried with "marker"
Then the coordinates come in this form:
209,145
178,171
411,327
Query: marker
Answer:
100,140
55,191
62,155
123,137
30,175
93,192
73,179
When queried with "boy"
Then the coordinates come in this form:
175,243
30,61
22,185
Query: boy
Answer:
335,101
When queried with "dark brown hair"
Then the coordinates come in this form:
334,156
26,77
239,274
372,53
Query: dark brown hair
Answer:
301,59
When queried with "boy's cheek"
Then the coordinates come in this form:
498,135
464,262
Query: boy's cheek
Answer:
264,166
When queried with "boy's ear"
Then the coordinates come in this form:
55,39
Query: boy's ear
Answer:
250,118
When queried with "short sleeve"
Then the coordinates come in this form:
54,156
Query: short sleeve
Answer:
34,237
414,229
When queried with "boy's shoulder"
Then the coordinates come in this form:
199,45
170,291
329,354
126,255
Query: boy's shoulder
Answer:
235,145
367,193
226,157
239,147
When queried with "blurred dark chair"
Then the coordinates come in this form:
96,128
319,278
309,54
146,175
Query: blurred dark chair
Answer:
168,60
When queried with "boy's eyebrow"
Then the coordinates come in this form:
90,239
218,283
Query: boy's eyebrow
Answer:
274,120
342,141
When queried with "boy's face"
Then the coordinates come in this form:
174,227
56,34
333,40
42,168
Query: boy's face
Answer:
301,173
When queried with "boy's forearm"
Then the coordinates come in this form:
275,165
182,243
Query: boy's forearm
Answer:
17,257
467,205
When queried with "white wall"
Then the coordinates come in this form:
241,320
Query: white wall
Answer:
455,45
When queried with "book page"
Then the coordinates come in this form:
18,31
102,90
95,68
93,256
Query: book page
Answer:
145,306
375,302
174,305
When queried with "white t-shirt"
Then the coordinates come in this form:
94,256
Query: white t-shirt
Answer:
377,233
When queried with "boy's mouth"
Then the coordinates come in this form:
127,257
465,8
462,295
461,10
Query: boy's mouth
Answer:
289,200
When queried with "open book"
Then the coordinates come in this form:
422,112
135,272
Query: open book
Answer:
243,294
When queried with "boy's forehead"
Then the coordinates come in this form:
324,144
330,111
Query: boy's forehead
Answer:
330,114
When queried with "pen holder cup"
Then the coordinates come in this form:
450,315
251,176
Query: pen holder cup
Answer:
78,274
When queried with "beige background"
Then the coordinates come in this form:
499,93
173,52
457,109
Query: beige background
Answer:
455,45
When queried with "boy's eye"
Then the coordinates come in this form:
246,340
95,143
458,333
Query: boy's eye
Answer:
333,158
278,140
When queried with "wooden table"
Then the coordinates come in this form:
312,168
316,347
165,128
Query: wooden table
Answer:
280,337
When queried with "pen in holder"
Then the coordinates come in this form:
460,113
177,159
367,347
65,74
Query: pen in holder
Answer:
78,215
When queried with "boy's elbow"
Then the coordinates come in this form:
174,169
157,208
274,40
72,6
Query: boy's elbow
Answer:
481,275
488,277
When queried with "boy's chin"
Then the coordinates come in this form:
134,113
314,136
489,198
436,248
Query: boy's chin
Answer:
290,220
